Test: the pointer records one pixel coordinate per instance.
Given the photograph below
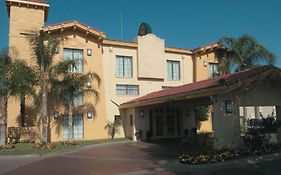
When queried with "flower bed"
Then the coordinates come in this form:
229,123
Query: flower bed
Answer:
48,146
65,143
223,155
8,146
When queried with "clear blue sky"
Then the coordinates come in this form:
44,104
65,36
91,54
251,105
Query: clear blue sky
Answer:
182,23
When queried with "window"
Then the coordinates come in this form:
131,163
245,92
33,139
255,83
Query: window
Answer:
77,127
77,55
77,101
123,89
117,119
213,70
173,68
124,66
131,120
166,87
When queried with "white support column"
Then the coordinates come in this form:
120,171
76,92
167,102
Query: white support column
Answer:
278,118
257,112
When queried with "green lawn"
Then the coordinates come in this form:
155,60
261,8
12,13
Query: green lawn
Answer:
26,148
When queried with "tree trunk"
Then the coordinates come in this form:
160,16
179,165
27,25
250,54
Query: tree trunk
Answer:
70,121
44,112
3,120
22,111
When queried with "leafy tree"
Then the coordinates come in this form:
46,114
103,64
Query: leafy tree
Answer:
4,59
21,82
201,114
70,85
243,53
43,49
17,79
113,128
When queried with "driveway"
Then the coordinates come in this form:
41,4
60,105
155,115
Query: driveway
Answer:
122,159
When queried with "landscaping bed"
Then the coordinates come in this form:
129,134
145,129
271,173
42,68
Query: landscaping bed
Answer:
223,155
29,147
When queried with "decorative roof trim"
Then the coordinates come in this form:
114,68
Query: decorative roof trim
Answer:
74,25
208,48
45,6
120,43
178,50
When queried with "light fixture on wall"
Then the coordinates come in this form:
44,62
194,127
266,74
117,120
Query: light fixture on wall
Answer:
205,63
56,115
57,50
228,106
89,52
141,113
89,114
89,84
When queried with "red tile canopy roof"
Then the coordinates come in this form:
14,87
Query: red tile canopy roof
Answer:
224,81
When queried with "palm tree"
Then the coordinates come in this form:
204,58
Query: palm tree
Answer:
4,59
17,79
43,49
242,53
21,82
72,85
112,128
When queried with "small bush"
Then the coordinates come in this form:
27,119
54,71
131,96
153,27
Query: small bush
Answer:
65,143
8,146
48,146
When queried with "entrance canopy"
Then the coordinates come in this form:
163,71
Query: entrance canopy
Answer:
207,88
253,87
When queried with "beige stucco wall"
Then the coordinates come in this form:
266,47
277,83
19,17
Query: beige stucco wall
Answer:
227,125
145,86
150,53
201,71
24,20
93,128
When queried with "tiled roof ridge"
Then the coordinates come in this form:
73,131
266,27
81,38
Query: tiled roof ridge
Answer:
74,22
223,80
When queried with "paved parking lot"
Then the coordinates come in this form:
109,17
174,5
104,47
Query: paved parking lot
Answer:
124,159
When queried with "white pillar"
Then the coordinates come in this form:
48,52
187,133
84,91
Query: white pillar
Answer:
278,118
257,112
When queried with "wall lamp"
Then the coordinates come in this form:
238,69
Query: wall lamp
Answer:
89,84
89,52
205,63
90,114
56,115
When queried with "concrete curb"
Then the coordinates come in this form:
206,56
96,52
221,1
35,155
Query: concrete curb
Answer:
177,166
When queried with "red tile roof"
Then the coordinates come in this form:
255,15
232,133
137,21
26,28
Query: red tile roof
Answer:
208,47
224,81
72,24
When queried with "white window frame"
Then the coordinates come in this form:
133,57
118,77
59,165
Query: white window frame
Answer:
171,70
124,70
